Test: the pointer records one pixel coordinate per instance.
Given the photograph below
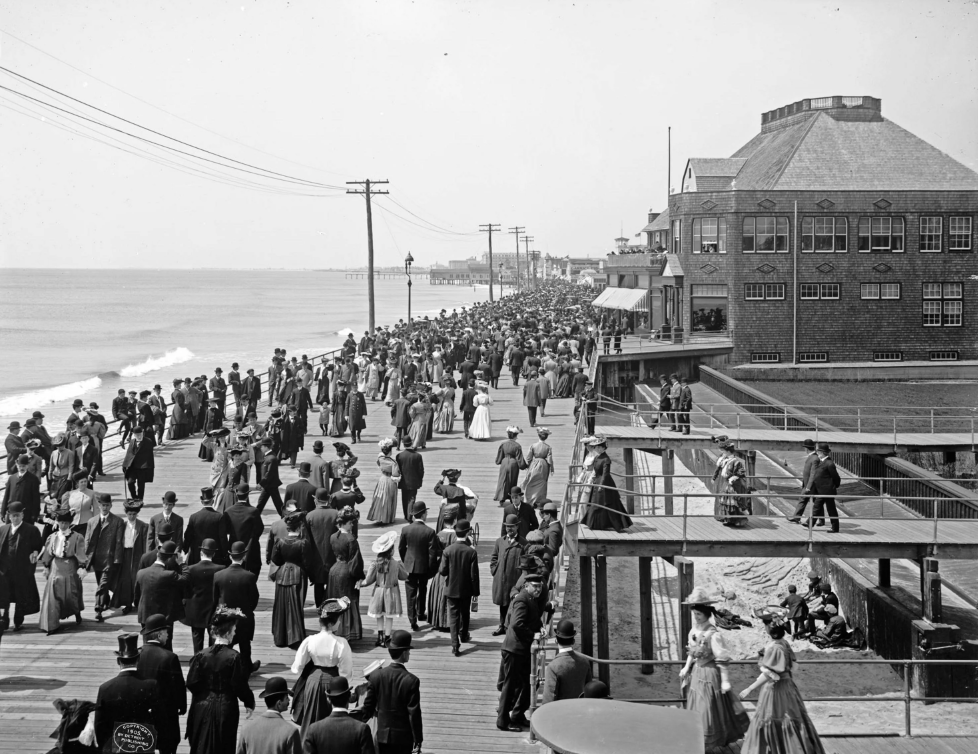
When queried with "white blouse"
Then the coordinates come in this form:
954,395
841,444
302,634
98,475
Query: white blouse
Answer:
326,650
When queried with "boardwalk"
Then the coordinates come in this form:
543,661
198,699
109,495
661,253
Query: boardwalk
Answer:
458,695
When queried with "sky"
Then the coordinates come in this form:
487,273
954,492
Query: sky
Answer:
548,115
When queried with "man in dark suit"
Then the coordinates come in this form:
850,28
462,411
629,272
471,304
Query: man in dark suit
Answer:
504,565
810,460
270,480
87,452
14,445
104,544
158,663
20,546
410,466
234,380
467,376
219,389
127,698
823,483
139,465
206,523
523,511
272,731
24,487
516,357
553,532
167,516
568,673
164,534
522,623
532,397
302,490
419,551
460,567
159,589
495,367
339,733
394,695
401,417
250,393
244,524
467,407
236,587
199,605
322,525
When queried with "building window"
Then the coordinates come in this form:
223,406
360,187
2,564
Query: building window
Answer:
880,234
813,357
765,358
887,291
943,305
765,235
713,289
960,237
824,234
887,355
764,291
677,226
931,230
943,355
818,291
710,235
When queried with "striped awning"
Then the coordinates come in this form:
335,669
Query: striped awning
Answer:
620,298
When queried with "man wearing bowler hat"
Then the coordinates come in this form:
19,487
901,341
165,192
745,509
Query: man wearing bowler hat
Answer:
127,698
157,405
419,550
237,587
139,465
339,733
394,695
321,523
568,673
517,506
14,445
810,460
166,516
505,567
823,482
159,663
104,538
271,732
199,606
20,546
159,590
219,389
244,524
206,523
522,623
270,480
460,567
553,532
302,490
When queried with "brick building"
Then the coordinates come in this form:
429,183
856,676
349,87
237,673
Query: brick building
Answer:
876,265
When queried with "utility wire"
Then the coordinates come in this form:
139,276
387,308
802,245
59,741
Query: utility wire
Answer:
167,112
433,225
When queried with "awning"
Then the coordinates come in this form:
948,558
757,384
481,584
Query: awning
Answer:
620,298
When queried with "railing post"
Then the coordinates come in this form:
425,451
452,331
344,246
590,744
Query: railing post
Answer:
932,421
859,420
906,699
533,682
894,432
685,518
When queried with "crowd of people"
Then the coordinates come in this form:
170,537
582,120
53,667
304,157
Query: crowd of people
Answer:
203,571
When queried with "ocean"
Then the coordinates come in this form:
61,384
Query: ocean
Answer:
68,334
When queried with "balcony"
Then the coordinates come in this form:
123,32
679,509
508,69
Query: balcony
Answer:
644,261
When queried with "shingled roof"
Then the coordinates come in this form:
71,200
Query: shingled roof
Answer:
824,153
660,223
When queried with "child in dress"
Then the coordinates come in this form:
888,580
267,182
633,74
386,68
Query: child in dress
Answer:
385,574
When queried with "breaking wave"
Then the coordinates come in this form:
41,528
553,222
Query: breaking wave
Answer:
153,363
34,399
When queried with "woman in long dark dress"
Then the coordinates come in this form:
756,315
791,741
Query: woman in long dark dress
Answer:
217,679
293,556
179,416
604,510
781,724
345,573
437,601
337,420
732,506
509,459
337,466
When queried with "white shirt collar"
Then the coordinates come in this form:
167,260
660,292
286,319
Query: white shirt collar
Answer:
341,710
565,650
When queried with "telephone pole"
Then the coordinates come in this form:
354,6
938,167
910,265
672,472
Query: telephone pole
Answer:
367,193
517,230
535,255
529,264
490,227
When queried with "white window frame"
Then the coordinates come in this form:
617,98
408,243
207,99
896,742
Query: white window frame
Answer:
942,305
877,226
811,294
697,235
952,235
839,233
781,230
765,357
930,234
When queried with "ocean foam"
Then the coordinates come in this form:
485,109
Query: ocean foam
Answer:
176,356
33,400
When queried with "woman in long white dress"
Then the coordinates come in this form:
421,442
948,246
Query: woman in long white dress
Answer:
437,367
393,382
481,427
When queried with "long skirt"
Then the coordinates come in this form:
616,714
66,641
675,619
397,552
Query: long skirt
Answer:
419,431
781,724
724,717
535,482
552,379
125,582
438,604
62,596
212,724
384,505
563,389
729,508
341,584
481,426
309,701
445,421
288,622
509,477
605,511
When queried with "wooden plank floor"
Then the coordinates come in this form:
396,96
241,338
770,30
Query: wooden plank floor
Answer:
459,695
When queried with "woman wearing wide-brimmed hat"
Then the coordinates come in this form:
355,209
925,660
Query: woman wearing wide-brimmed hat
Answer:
510,460
384,503
337,466
481,426
706,679
385,574
540,467
294,555
63,558
345,573
445,421
604,510
732,504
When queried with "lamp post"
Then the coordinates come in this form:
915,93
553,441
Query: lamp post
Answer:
408,260
500,280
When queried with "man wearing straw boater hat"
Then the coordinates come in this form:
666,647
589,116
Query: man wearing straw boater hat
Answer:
271,732
127,698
